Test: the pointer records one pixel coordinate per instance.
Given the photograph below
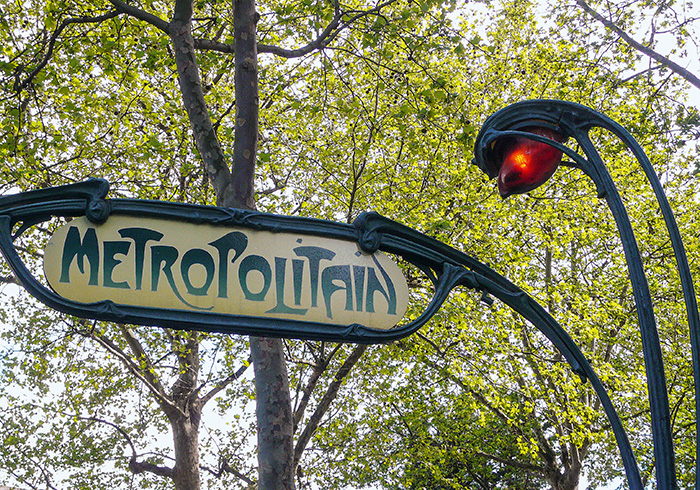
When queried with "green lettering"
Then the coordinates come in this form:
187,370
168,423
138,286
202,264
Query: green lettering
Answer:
140,236
75,248
358,273
254,263
298,271
109,263
280,307
163,258
235,241
373,285
203,258
315,256
331,274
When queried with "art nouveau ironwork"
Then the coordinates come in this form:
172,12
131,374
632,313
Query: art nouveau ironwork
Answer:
510,142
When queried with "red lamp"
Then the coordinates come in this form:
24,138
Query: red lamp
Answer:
527,163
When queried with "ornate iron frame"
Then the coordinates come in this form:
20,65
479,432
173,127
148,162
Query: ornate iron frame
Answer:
446,267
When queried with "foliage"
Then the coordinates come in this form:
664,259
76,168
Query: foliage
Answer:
382,117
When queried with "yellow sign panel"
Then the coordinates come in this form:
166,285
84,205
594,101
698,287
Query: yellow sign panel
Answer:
185,266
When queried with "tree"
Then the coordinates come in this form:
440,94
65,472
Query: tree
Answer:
663,20
119,59
490,368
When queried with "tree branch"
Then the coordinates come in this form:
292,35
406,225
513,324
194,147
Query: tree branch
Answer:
226,468
184,388
148,370
328,34
45,473
9,280
326,401
20,86
479,397
316,373
134,369
221,385
211,45
138,467
147,17
510,462
180,31
331,31
676,68
115,427
546,449
135,467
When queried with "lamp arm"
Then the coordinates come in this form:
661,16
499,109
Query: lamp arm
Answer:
575,120
679,252
525,305
460,269
596,170
653,360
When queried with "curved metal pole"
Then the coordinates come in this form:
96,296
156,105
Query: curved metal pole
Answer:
575,120
445,266
545,323
651,345
466,271
691,303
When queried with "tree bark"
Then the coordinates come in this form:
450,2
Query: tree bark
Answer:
186,475
274,415
245,145
180,31
185,421
273,402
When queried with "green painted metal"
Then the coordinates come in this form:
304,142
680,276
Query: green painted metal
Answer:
445,267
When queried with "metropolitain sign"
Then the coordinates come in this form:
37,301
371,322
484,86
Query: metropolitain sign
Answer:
227,270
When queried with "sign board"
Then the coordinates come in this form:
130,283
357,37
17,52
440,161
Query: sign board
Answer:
161,263
214,269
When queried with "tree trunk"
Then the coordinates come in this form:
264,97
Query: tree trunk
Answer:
205,137
186,442
245,145
236,188
273,403
568,480
274,415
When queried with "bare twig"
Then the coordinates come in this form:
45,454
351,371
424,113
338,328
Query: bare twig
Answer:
675,67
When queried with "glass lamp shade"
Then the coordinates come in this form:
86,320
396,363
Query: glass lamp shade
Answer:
527,163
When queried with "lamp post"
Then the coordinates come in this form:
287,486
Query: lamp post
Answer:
105,220
522,145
